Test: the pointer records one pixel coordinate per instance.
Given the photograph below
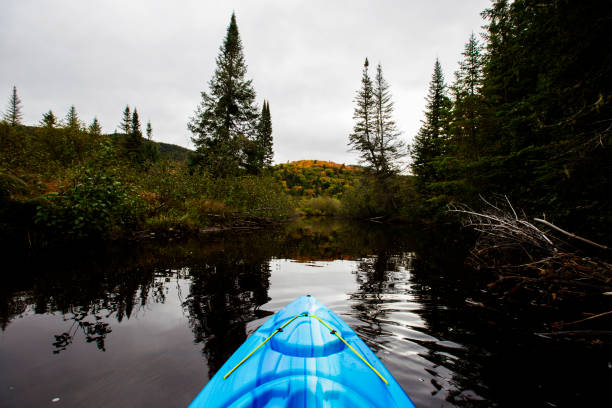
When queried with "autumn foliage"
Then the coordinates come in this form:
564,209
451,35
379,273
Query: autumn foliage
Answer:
312,178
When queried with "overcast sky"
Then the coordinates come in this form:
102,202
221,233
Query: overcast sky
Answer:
305,57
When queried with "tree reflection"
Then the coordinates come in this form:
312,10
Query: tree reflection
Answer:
225,295
377,277
89,291
93,332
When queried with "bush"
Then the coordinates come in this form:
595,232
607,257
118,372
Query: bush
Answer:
173,185
321,206
391,198
97,206
253,196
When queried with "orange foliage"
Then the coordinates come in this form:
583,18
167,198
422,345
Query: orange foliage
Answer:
317,163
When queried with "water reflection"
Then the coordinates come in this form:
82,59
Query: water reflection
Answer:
224,295
148,324
378,276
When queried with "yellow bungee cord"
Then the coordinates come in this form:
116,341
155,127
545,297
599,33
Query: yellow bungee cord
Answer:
332,331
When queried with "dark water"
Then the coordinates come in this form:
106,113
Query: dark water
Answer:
149,324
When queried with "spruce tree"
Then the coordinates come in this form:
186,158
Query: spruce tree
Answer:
362,140
388,147
72,121
149,130
431,139
126,121
468,100
49,120
133,141
265,136
13,114
225,122
136,125
94,128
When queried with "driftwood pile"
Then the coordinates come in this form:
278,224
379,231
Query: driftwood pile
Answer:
537,263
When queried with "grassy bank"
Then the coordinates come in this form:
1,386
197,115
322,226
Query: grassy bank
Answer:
61,186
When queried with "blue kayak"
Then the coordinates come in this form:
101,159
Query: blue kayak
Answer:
303,356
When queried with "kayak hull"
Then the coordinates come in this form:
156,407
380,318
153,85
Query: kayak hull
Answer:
303,356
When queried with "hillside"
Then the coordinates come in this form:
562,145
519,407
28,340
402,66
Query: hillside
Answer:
312,178
167,151
173,152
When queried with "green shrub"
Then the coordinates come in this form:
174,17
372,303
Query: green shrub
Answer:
96,206
253,196
321,206
390,198
172,185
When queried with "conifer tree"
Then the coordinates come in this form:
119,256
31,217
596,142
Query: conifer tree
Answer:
13,113
49,120
548,109
94,128
72,121
126,121
149,130
225,122
375,135
468,100
388,147
133,141
362,139
136,125
265,136
430,141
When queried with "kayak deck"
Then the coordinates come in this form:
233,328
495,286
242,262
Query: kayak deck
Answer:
303,356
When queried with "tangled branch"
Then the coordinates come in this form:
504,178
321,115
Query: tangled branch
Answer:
501,228
535,262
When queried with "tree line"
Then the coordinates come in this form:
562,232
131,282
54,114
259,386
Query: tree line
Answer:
528,116
65,139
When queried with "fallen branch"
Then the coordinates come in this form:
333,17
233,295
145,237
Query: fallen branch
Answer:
588,318
576,333
533,265
569,234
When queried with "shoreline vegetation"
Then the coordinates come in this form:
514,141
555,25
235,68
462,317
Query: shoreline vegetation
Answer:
528,117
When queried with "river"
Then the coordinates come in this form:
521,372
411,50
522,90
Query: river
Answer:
147,324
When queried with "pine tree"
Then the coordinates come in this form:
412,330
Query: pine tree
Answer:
134,141
468,100
94,128
432,137
49,120
265,136
72,121
225,122
126,121
149,130
136,125
13,114
362,139
388,148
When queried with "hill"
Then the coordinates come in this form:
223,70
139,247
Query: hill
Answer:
167,151
310,178
173,152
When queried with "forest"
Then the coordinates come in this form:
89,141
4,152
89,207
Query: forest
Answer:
526,118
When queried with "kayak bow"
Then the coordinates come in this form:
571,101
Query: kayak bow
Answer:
303,356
